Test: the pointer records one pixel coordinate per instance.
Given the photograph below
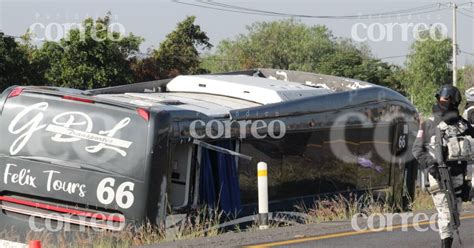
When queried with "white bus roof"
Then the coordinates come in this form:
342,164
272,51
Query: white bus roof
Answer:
254,89
216,95
211,105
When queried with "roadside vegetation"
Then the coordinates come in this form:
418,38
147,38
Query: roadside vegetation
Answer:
342,208
205,223
92,56
423,201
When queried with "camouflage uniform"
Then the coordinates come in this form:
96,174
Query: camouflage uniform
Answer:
423,150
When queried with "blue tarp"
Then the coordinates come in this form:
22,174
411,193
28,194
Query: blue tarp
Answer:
207,189
227,192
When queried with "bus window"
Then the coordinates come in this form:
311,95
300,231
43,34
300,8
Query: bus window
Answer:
338,160
374,157
181,162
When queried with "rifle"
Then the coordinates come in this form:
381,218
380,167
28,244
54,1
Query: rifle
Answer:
446,185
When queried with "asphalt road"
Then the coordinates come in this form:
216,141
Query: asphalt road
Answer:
337,234
394,238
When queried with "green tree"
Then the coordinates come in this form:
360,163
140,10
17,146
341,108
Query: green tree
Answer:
465,82
39,59
90,56
289,44
14,65
427,68
284,44
178,53
146,69
467,76
355,61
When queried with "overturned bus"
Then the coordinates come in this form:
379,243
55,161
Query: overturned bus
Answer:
144,151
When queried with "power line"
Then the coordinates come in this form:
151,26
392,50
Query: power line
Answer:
424,7
392,57
384,13
238,9
466,3
20,37
465,9
221,9
465,14
11,36
469,53
148,55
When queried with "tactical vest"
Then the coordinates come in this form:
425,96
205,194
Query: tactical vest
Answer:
458,145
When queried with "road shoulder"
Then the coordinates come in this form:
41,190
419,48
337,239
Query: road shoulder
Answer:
299,231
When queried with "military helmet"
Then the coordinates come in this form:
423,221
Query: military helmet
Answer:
450,92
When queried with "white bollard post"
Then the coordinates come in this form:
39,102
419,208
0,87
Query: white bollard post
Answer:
262,195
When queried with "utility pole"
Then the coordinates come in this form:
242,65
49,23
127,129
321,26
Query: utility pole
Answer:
455,46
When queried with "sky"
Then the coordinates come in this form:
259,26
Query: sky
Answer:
389,38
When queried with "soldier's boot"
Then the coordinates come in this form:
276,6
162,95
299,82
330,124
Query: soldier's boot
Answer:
447,242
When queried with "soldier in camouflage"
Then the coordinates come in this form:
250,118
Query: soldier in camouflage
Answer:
446,117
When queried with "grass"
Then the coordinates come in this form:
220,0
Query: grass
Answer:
423,201
341,208
205,223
